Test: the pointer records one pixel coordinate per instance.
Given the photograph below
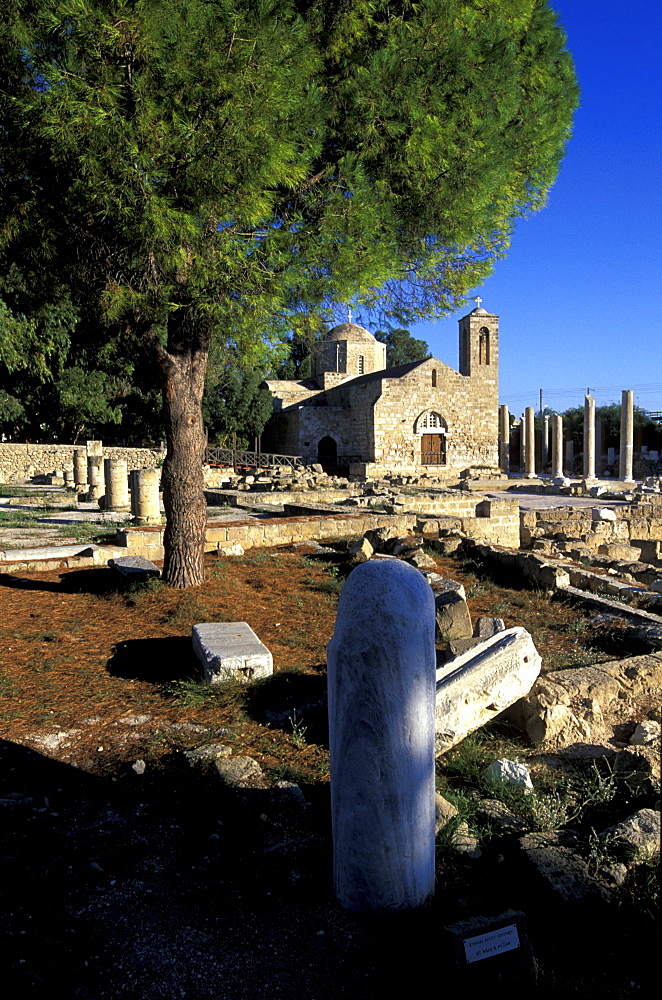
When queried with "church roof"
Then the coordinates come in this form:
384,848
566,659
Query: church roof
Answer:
397,372
350,331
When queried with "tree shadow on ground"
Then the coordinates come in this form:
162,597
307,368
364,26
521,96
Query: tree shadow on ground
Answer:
275,701
154,660
13,582
96,580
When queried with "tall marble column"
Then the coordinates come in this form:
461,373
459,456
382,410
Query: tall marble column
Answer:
544,449
589,437
504,438
529,443
557,446
627,435
521,445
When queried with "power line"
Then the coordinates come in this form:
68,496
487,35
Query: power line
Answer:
641,387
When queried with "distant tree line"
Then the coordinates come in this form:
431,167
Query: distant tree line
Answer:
56,386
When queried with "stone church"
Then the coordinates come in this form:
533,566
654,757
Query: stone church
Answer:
356,416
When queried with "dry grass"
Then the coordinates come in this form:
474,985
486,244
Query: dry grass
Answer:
81,651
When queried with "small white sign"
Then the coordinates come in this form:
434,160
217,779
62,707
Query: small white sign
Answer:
493,943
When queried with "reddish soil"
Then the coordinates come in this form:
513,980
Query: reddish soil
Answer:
80,645
122,884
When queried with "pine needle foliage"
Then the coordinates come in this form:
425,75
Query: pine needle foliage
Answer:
208,168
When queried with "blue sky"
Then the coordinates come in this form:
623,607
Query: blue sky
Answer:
578,293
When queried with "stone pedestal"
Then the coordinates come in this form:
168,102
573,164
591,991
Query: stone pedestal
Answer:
145,496
557,446
627,435
95,483
504,438
94,448
529,443
589,438
117,484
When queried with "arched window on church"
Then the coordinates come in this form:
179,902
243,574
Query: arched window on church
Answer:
430,421
361,364
434,378
483,346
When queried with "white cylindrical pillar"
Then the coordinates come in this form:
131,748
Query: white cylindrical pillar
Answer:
589,437
627,435
504,438
557,446
381,684
529,443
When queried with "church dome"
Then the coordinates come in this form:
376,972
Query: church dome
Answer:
350,332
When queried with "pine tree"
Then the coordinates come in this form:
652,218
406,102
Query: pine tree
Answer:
201,169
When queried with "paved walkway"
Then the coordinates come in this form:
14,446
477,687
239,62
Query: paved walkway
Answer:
538,501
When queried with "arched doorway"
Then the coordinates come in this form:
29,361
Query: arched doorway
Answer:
327,453
432,428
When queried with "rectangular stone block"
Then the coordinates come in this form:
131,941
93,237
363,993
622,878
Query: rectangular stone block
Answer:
231,651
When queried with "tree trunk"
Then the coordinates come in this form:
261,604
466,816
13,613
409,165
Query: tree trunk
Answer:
183,366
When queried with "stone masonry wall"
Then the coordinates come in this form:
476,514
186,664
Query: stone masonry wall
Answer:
468,406
23,461
487,521
634,522
148,541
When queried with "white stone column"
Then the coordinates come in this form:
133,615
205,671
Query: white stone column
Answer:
522,445
504,438
80,469
544,449
145,496
627,435
381,693
95,484
529,443
589,437
117,484
557,446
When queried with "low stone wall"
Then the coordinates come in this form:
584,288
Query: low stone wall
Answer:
23,461
631,523
148,541
558,575
264,498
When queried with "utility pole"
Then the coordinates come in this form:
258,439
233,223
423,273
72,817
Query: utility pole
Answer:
541,402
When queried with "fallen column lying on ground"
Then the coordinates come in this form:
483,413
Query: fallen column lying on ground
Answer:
477,685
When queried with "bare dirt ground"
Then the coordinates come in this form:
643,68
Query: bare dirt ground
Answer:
154,882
